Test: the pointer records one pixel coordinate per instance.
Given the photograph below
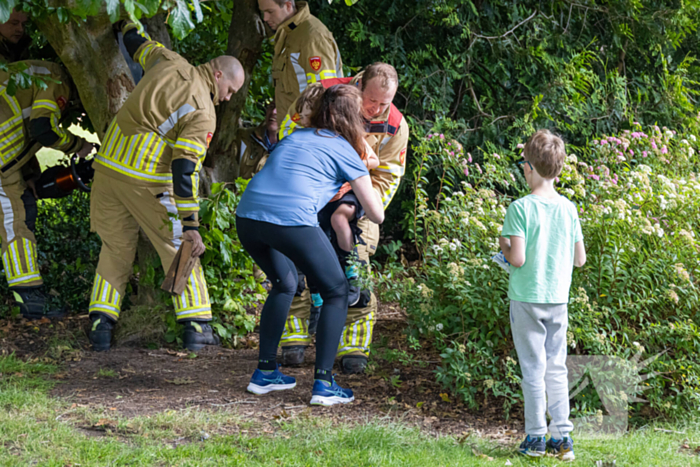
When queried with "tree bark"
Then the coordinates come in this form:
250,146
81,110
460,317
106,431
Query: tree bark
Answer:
246,34
90,53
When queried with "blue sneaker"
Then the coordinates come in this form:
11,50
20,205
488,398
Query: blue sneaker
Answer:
562,448
261,383
533,446
325,393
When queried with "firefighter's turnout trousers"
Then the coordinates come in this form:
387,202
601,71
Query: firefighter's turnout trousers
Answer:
17,219
117,210
359,325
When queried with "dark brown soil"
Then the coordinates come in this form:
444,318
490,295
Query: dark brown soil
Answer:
135,380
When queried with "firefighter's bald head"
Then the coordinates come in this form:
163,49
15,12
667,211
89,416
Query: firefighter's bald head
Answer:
276,12
229,75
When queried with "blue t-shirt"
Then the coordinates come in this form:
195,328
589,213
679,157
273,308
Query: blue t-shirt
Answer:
305,170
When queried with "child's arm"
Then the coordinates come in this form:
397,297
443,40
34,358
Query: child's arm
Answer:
579,254
372,161
513,249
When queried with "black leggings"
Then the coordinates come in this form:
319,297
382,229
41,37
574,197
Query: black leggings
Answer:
277,249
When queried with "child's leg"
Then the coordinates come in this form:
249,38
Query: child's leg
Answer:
529,334
556,376
340,221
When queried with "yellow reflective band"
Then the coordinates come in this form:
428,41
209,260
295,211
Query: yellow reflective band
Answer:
187,144
133,173
45,104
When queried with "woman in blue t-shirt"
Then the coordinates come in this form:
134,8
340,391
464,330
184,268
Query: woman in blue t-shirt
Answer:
277,225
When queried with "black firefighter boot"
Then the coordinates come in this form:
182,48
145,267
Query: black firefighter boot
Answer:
198,334
293,355
33,304
100,333
353,364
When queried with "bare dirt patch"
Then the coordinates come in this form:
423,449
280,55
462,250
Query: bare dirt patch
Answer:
136,380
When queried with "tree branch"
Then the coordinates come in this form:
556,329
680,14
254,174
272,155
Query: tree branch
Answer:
510,31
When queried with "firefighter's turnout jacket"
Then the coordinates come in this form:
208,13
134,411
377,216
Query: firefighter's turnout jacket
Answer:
147,172
388,137
28,120
252,148
305,53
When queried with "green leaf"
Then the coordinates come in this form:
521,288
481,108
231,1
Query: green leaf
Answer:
113,10
63,15
6,7
87,8
197,11
180,20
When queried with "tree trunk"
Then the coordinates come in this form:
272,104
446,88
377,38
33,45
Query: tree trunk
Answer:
246,34
90,53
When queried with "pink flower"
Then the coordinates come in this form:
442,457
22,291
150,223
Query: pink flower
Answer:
512,177
653,146
429,136
449,144
614,182
645,154
631,153
496,156
595,177
466,171
442,136
452,153
470,157
602,142
520,146
479,168
664,150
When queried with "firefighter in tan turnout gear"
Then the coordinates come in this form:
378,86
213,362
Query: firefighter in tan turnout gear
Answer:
388,137
29,120
305,51
147,174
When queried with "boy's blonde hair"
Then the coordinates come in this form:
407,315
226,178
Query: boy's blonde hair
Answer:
311,96
546,152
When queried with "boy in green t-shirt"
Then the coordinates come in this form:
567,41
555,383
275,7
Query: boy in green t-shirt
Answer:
542,241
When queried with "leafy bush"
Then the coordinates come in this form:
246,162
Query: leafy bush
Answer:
233,287
638,193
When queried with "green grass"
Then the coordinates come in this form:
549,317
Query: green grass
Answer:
40,430
48,157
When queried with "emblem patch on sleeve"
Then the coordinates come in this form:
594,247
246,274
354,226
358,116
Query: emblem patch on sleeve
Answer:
61,101
315,63
210,135
296,117
402,156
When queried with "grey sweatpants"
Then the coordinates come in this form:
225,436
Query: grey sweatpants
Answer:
539,334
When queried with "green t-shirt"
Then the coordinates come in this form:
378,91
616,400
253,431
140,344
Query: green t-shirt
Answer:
550,228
